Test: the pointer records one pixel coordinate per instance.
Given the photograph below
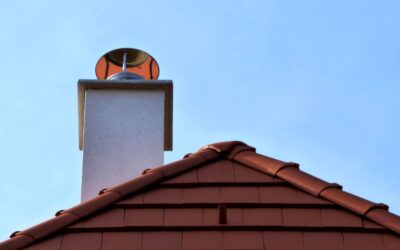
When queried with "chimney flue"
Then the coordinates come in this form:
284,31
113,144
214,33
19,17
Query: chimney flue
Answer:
125,119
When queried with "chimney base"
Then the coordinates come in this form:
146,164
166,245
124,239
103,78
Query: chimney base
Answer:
125,126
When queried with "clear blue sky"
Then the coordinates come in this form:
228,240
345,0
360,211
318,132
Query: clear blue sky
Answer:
316,82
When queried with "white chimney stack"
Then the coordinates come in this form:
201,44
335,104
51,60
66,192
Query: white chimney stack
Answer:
125,124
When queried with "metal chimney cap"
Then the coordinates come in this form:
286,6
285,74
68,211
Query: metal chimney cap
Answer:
127,64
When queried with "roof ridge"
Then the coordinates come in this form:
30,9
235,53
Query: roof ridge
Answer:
290,172
108,196
227,147
233,150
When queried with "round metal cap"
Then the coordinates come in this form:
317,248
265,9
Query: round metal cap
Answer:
127,64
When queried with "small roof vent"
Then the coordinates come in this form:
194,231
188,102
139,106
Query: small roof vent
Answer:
127,64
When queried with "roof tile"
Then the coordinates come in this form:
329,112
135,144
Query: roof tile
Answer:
79,224
219,171
163,195
340,218
283,240
188,177
202,195
45,228
385,218
245,174
225,147
93,205
238,149
277,179
260,162
347,200
303,180
162,241
278,195
357,241
226,182
307,217
309,199
208,240
81,241
246,240
135,184
16,242
122,241
183,217
194,160
262,216
53,243
135,199
240,194
370,224
110,218
323,240
392,242
144,217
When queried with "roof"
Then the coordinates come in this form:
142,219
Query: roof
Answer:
225,196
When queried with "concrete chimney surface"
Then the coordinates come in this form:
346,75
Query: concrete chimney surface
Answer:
123,132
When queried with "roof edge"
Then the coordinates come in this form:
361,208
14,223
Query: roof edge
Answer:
290,172
105,198
227,147
234,150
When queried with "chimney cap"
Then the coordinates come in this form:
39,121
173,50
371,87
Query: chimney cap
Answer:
127,64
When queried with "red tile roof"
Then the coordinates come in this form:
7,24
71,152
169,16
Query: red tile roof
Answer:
225,196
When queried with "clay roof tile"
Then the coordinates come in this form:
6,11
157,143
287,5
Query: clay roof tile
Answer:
17,242
224,147
217,155
385,218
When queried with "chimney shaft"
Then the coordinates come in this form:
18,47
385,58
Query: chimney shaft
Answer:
125,126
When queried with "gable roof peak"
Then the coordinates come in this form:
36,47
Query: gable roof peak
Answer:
235,151
228,149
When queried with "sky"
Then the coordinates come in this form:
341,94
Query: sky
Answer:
315,82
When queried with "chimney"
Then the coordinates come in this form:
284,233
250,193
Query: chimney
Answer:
125,119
